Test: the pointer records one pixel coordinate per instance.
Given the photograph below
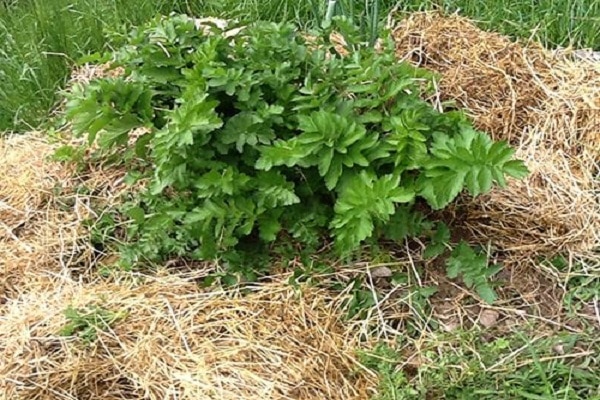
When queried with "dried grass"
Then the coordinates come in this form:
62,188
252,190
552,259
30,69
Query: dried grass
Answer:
483,72
86,73
31,233
42,213
179,341
546,105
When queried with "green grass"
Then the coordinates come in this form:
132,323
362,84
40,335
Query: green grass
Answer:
525,358
464,365
41,39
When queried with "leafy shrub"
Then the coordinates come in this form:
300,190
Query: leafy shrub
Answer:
266,133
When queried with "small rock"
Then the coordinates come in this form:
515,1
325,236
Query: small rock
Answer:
381,272
559,349
488,318
451,326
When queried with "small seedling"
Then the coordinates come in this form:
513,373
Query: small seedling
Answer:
474,269
86,322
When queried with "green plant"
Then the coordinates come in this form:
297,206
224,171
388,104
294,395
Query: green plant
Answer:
262,133
40,41
86,322
474,269
439,243
465,364
393,383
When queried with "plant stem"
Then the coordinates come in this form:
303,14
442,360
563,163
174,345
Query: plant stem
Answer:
329,14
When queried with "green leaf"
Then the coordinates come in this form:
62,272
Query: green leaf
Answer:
269,228
137,214
405,222
433,250
516,169
262,131
66,153
470,160
486,293
363,200
441,187
474,270
325,161
333,174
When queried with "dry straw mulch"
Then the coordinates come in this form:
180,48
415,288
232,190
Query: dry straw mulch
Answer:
546,104
36,236
178,341
43,208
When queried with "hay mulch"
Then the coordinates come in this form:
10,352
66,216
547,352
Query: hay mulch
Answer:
179,341
43,208
176,340
547,104
37,238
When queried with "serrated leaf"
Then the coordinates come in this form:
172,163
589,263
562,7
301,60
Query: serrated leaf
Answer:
500,152
453,269
264,164
486,293
333,174
498,176
473,268
439,241
350,232
371,117
485,180
268,229
516,169
65,153
363,199
405,223
433,250
402,195
427,291
442,188
325,161
472,181
71,313
353,132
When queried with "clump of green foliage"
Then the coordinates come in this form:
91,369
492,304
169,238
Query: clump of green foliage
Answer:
87,321
265,133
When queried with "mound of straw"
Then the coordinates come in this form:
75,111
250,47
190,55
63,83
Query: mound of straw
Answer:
33,232
43,207
546,104
178,341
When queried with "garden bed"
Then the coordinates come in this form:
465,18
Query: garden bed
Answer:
164,336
